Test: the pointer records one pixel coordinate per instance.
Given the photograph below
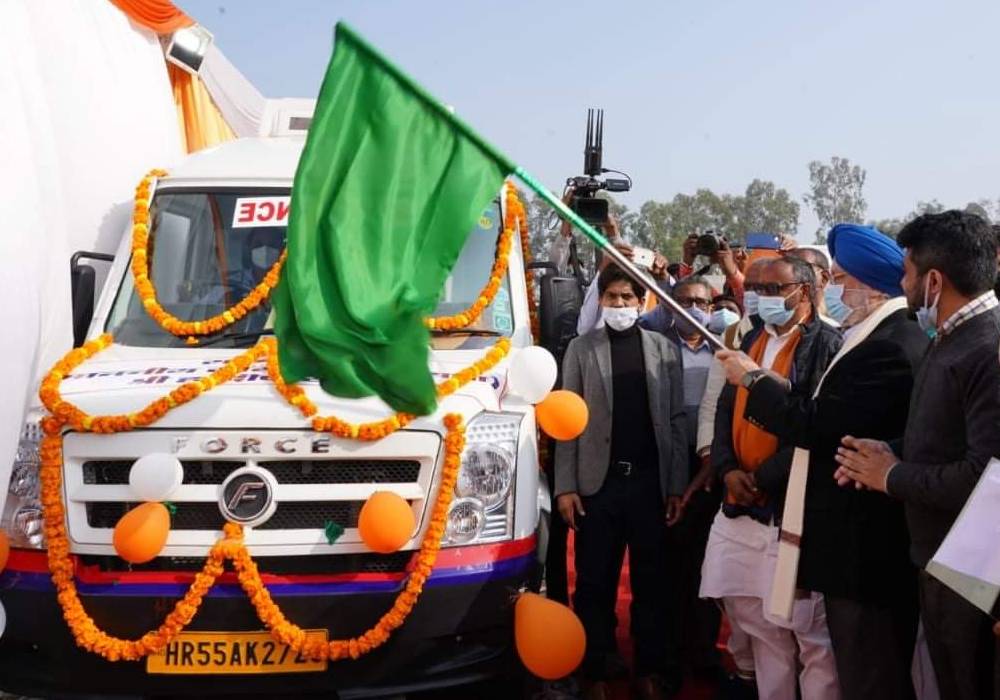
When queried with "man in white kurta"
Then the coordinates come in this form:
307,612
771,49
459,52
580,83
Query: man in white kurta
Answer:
742,551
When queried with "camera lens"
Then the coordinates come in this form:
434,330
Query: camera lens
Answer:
708,244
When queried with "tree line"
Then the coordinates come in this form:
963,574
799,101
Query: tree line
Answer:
836,195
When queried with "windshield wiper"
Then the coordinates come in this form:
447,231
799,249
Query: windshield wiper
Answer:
465,331
235,337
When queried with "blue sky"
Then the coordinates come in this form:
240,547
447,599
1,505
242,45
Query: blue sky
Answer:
696,94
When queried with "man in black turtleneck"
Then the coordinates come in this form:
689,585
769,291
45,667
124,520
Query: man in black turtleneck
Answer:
619,483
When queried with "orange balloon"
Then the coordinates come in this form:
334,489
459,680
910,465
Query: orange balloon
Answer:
549,636
386,522
141,533
4,549
562,414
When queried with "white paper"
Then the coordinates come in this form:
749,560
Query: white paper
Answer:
251,212
971,546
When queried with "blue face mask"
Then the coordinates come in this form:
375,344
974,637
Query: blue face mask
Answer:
772,311
750,301
833,296
697,314
927,315
722,319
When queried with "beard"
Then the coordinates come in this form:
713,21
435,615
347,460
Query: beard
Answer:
915,298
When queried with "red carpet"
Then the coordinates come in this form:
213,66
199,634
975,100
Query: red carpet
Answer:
692,690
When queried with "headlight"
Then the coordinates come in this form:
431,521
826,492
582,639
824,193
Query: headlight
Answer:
24,480
487,473
466,520
28,526
483,509
22,513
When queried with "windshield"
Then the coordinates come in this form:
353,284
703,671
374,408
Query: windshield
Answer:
209,249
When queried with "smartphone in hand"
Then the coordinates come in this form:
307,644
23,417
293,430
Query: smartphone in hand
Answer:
643,257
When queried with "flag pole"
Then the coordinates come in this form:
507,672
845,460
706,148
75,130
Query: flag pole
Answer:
343,31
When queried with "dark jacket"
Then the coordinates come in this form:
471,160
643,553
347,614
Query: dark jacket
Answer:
819,343
854,543
952,433
582,464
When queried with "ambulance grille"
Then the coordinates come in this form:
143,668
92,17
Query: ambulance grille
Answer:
332,471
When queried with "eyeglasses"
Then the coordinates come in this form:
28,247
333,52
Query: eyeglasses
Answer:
688,302
770,289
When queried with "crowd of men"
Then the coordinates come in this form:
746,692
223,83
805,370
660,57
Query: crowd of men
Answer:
847,422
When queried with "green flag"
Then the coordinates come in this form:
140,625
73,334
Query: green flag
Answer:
387,189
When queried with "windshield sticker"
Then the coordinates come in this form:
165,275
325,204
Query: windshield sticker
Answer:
502,319
138,373
487,221
251,212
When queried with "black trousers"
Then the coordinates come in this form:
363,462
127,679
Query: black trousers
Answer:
873,645
628,511
556,581
694,622
960,641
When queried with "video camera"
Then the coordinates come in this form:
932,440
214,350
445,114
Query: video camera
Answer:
593,209
710,242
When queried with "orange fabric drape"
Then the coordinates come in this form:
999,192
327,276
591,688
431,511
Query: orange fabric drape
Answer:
200,121
161,16
751,444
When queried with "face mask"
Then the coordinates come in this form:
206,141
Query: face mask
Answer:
722,319
833,296
772,310
927,315
620,317
750,301
697,314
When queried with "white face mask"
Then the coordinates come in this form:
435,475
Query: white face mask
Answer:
722,319
620,317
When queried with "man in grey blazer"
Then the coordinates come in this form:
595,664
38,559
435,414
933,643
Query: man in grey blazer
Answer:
620,483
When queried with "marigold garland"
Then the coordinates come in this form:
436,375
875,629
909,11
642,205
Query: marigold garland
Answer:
147,293
86,633
488,293
88,636
514,218
78,419
231,546
521,214
296,396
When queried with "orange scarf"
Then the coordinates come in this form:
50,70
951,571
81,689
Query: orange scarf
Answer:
752,444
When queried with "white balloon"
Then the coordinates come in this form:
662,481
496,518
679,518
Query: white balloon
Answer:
533,373
154,477
3,619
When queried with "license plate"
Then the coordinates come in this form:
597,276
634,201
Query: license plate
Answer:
209,653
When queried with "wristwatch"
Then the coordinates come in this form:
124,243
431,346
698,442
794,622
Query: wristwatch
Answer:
748,379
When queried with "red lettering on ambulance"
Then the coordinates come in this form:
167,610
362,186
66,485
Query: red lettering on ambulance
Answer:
246,212
261,216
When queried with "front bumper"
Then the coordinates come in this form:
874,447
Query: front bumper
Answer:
460,631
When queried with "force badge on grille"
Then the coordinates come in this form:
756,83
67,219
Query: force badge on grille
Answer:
246,496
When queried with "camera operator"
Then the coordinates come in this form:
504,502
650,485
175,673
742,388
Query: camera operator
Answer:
590,312
729,258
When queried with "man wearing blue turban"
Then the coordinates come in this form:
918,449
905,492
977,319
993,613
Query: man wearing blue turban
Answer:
849,545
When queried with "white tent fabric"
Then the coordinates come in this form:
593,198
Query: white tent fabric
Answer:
87,110
241,104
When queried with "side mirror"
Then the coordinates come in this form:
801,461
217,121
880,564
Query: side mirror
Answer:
560,300
82,284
